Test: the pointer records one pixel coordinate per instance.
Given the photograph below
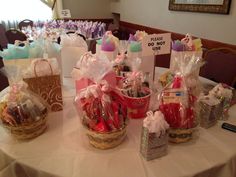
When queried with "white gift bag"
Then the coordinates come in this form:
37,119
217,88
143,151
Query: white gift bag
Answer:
69,58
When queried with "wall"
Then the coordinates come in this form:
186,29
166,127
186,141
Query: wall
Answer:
89,9
155,13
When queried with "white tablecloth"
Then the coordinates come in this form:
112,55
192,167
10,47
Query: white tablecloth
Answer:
63,150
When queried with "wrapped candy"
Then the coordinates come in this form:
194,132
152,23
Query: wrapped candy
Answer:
178,101
154,137
224,94
100,111
121,64
19,107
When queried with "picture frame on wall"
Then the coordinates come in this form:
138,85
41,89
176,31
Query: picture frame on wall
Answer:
206,6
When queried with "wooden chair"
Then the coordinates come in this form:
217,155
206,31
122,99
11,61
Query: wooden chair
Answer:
25,23
220,65
14,34
3,79
3,38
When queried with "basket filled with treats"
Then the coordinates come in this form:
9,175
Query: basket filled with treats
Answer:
22,113
99,105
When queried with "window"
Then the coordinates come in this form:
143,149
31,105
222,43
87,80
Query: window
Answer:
17,10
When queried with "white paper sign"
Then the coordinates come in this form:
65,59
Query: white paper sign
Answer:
156,44
65,13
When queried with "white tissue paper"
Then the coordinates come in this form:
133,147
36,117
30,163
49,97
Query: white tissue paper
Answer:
156,123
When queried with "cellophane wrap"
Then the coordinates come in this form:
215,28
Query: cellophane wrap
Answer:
134,85
178,100
19,106
184,50
101,109
209,110
99,106
224,94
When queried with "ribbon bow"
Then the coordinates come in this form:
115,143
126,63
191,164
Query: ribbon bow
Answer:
155,123
188,42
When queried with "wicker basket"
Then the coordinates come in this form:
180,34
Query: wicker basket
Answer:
106,140
29,131
180,135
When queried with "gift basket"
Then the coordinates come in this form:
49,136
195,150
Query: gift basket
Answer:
178,100
224,94
154,137
22,113
101,109
135,91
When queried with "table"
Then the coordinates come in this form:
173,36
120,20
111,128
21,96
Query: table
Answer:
63,150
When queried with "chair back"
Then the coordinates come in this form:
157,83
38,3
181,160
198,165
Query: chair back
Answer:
25,23
14,34
71,32
220,65
3,38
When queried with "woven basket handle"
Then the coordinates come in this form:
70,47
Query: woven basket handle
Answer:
39,61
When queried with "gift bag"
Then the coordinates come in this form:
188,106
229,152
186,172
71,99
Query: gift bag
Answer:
224,94
210,109
44,79
15,51
73,47
154,137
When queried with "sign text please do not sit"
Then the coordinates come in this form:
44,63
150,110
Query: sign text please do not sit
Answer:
156,44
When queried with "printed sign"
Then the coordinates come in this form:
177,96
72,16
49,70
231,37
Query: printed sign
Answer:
65,13
156,44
